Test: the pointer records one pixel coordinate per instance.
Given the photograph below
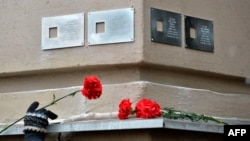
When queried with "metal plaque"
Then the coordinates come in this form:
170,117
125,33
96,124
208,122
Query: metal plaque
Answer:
63,31
165,27
116,26
199,34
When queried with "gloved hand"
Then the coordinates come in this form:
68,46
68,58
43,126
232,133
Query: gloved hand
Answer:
36,122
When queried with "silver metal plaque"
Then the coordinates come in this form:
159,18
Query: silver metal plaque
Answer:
117,26
63,31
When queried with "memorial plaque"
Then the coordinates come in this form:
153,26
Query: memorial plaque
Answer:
111,26
165,27
199,34
63,31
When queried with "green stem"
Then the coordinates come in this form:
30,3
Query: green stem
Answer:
171,113
5,128
51,103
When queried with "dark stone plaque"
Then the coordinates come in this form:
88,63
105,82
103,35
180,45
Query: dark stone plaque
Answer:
165,27
199,34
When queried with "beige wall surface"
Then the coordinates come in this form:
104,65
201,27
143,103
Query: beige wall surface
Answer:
108,102
186,79
231,22
20,40
182,98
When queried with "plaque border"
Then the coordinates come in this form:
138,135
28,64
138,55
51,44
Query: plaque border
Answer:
194,43
161,37
63,23
118,24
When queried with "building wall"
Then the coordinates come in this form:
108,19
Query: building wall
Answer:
231,37
23,26
196,81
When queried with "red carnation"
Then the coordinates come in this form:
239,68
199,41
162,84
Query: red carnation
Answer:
92,88
146,108
125,108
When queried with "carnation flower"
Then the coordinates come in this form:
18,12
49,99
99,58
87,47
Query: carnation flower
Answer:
124,109
92,88
146,108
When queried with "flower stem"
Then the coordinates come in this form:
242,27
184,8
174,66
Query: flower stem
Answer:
171,113
5,128
54,101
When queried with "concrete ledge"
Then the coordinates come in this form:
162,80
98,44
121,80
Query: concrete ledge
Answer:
114,124
199,101
133,123
232,107
97,125
193,126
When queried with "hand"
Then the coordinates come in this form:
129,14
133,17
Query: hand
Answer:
36,122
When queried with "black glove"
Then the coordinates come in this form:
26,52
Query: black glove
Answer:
36,122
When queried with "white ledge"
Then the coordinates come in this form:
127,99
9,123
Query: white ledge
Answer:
115,124
133,123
